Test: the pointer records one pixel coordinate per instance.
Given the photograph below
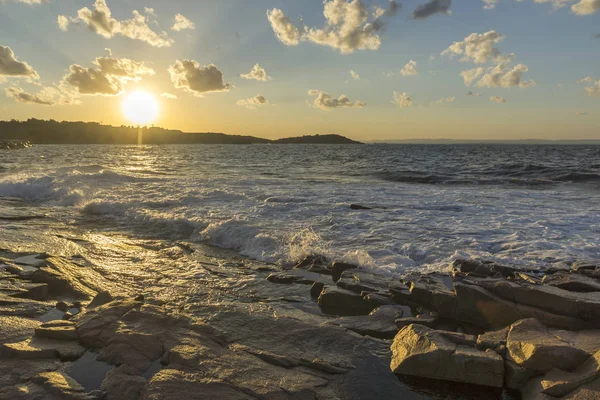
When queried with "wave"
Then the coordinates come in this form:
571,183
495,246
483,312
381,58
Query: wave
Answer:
40,190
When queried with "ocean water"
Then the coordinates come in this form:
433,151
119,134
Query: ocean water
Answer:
527,205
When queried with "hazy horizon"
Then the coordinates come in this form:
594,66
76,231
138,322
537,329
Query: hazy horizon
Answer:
368,70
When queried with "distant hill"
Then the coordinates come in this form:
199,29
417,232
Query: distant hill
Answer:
38,131
317,139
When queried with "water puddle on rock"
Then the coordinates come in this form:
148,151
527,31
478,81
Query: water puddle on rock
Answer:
88,371
52,315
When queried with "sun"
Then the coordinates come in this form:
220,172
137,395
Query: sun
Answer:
140,107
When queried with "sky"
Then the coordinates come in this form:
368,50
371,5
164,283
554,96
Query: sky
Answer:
369,70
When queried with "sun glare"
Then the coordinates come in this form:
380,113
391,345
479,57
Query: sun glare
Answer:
141,108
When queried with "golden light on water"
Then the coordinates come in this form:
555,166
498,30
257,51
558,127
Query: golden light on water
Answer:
140,108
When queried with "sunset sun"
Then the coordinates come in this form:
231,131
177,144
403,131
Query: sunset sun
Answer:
140,107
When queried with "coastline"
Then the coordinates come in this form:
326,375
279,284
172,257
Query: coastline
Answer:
233,327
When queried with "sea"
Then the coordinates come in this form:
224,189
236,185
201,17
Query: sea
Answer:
421,206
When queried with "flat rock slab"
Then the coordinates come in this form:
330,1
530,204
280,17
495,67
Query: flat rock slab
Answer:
38,348
57,332
343,302
380,323
14,328
424,352
531,346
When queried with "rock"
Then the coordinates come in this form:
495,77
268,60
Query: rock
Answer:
379,323
66,278
338,267
359,207
483,268
316,264
61,385
558,383
590,391
424,352
583,306
57,332
40,348
91,325
343,302
171,384
492,340
316,289
121,385
400,293
24,290
480,307
516,376
100,299
572,282
433,293
378,299
22,307
296,276
57,323
62,306
361,282
139,297
14,328
425,320
531,346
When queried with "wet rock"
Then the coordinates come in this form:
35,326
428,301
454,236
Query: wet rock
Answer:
24,290
572,282
493,340
482,268
40,348
100,299
295,276
22,307
91,325
13,328
362,282
531,346
139,297
316,264
66,278
338,267
424,352
558,383
57,332
343,302
379,323
379,299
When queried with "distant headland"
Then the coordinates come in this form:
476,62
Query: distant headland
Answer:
37,131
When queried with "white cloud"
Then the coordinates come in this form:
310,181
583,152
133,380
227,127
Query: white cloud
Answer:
107,77
284,29
257,73
253,102
410,69
197,80
149,11
444,100
11,67
432,7
348,26
497,99
324,101
498,77
100,21
489,4
403,100
47,96
478,48
354,75
168,96
586,7
182,23
594,89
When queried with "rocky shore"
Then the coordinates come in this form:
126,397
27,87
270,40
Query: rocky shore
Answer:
241,330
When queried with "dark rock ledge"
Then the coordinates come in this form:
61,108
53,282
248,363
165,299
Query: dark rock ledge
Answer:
513,333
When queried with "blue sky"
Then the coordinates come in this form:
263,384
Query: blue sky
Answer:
556,45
